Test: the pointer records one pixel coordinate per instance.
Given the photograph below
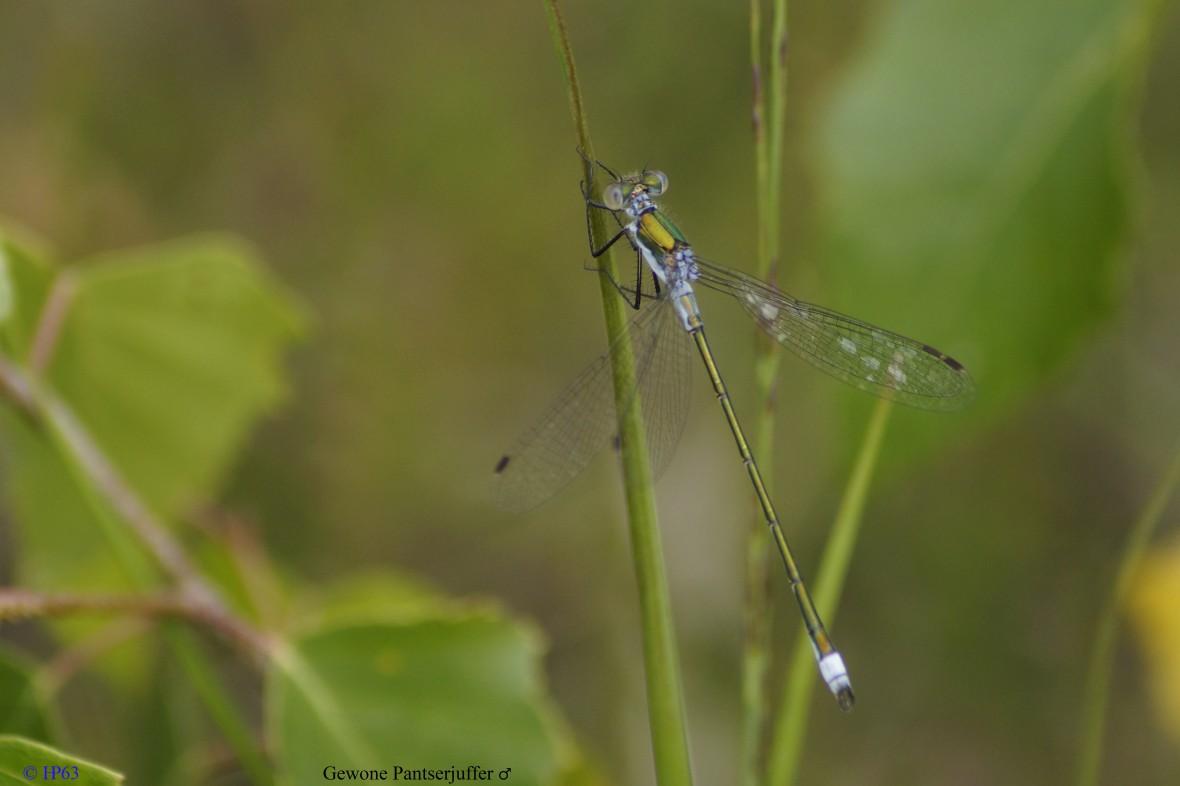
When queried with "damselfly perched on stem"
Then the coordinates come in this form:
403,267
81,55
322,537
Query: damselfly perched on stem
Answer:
582,420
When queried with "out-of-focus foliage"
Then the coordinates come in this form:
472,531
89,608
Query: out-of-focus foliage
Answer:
168,355
23,710
433,693
381,671
1154,607
200,324
23,761
5,284
975,162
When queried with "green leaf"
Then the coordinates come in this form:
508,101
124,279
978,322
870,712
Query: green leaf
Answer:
451,691
364,597
23,761
5,284
58,538
21,709
169,354
28,275
975,175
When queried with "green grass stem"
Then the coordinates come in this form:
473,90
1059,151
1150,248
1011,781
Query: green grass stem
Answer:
1102,656
661,662
758,615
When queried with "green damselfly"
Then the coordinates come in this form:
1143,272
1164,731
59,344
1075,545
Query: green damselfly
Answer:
582,420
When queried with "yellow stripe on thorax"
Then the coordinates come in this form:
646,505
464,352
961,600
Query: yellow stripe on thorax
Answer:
655,231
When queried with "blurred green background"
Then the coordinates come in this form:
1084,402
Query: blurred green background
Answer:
408,169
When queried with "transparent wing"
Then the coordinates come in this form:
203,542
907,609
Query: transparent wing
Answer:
582,420
866,357
664,390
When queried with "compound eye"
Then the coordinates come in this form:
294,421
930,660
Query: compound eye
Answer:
656,182
613,196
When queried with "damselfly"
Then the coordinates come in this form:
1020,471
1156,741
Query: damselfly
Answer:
582,420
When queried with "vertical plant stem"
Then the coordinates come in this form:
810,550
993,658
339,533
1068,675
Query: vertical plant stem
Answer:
776,136
768,142
757,616
791,726
1102,656
661,663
